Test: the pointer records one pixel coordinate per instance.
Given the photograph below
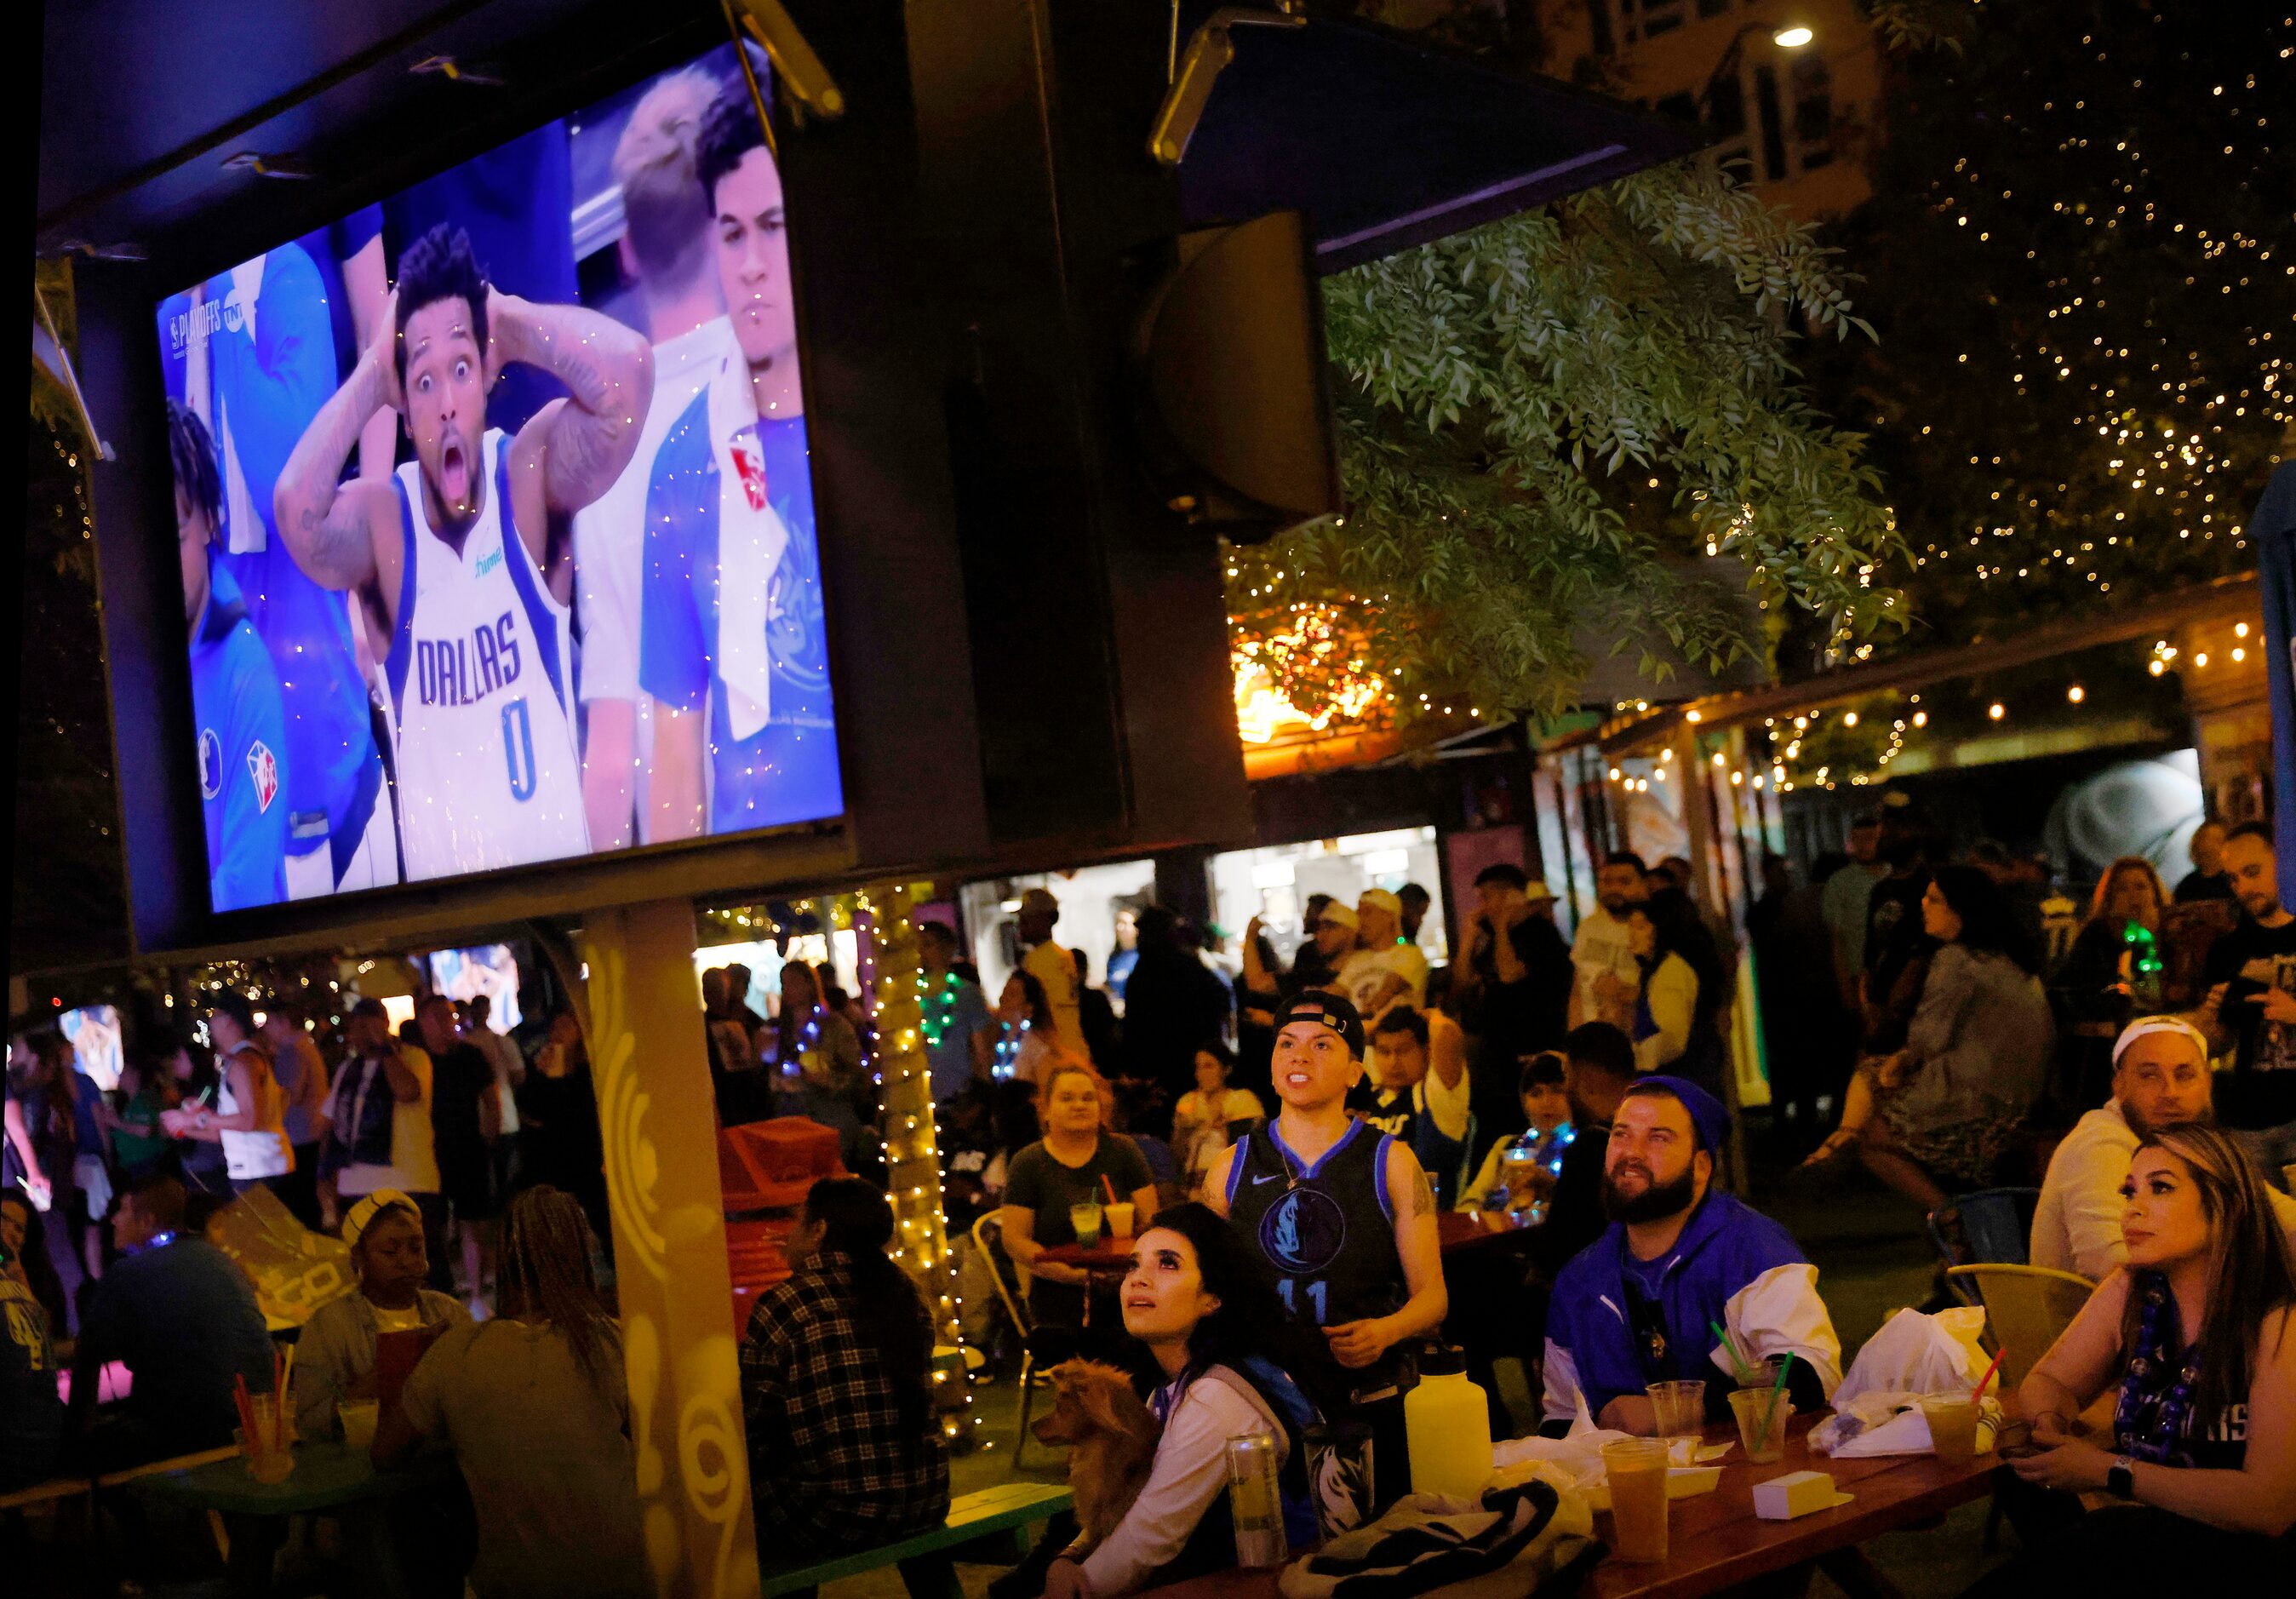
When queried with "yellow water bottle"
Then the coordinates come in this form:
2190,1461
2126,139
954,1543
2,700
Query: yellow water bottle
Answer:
1447,1421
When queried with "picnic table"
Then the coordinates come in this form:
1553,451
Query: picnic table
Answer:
1715,1541
330,1478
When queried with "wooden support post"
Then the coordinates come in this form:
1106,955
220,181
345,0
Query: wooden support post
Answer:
651,1063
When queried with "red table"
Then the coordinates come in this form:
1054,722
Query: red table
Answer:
1716,1540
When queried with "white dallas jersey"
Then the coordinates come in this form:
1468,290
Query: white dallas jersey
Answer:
481,700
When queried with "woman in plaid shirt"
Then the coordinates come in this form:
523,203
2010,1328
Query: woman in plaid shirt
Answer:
845,1451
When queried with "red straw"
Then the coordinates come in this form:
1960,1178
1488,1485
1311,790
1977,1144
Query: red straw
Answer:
246,1412
1978,1394
1110,1186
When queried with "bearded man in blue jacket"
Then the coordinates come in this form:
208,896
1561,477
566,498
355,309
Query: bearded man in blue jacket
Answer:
1639,1305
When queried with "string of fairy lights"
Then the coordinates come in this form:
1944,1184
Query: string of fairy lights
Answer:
2131,255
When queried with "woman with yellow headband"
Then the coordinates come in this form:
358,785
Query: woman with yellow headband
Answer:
334,1359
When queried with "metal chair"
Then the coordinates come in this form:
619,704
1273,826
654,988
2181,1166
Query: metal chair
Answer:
1993,1227
2026,1309
987,1233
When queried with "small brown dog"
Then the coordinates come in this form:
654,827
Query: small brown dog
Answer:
1110,1437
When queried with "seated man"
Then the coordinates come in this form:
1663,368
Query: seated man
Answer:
1598,1069
1639,1305
2160,1077
184,1319
1418,1094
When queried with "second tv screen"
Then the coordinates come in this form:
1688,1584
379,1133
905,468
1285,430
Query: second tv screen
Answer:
494,516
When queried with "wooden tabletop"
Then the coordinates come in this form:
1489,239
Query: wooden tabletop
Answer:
1716,1540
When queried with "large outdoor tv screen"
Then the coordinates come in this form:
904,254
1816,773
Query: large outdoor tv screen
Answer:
494,516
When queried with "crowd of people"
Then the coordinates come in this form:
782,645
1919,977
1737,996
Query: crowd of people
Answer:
1287,1268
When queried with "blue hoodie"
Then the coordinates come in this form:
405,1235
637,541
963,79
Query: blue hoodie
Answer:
1731,1265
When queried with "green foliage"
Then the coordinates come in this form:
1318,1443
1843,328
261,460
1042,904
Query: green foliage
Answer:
1551,424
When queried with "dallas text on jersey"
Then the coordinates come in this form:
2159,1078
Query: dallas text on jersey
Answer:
464,672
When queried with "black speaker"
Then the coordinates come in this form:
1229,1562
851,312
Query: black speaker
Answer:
1236,414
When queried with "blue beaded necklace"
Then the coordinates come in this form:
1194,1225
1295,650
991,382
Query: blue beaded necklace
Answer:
1008,1050
2149,1424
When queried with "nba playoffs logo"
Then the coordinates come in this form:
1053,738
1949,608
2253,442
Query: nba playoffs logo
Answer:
210,764
1303,1231
263,767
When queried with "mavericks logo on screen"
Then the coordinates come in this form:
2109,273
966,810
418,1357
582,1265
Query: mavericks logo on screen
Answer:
459,671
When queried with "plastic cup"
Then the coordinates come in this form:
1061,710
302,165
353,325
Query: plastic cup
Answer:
1118,1217
1681,1408
1762,1414
1084,1219
358,1417
1953,1425
1637,1469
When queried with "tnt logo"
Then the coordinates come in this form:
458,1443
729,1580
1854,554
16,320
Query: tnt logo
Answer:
210,764
263,766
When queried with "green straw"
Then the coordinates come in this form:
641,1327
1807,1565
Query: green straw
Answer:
1770,1416
1744,1374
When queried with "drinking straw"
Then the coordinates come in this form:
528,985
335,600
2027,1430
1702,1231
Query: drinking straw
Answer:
1770,1415
1977,1395
1110,1186
1744,1374
246,1412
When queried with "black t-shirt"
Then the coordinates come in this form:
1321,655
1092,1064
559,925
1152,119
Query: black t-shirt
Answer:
2260,1090
458,1076
1574,1211
1527,1015
1038,1183
2200,885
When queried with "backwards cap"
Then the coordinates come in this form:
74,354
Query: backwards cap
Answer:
2158,1024
1328,1010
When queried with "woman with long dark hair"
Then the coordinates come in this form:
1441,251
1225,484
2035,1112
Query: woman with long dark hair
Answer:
536,1406
2195,1333
2097,984
1676,1025
1976,1054
1199,1296
845,1450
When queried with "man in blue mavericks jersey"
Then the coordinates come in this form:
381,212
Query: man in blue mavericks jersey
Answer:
235,702
731,649
257,353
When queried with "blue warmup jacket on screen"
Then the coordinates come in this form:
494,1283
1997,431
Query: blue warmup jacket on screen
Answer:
271,365
242,729
1731,1266
788,771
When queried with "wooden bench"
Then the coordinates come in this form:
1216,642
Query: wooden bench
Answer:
996,1519
54,1491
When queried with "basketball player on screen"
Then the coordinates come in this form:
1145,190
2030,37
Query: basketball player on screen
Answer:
455,557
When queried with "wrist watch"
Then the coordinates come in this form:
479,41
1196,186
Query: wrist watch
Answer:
2121,1480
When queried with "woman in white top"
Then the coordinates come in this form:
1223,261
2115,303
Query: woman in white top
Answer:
1199,1297
1208,1115
249,1116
